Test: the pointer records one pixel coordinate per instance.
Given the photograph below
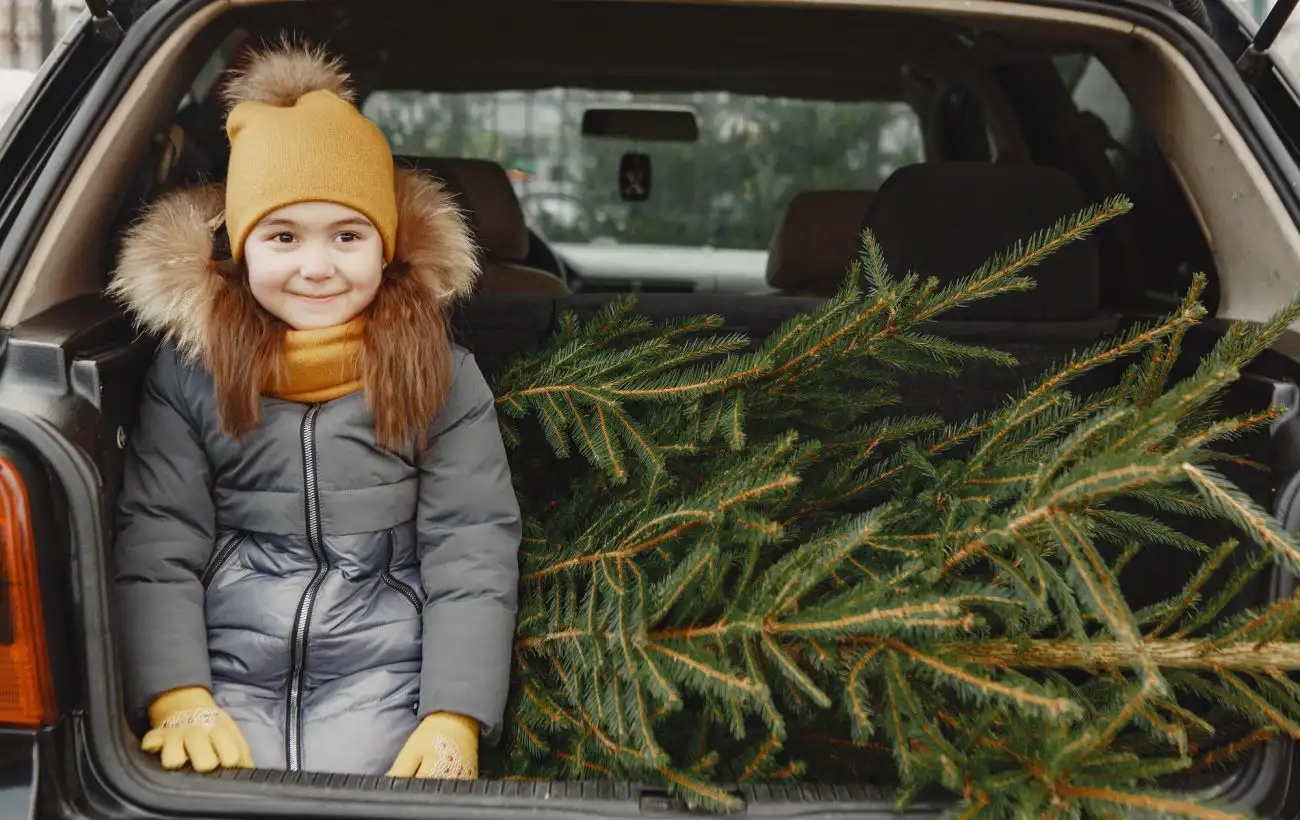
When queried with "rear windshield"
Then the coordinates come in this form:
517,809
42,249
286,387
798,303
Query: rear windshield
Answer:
726,191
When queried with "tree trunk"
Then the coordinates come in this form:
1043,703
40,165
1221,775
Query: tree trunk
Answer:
1170,654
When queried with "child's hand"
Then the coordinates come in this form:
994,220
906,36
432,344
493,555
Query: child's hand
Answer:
443,747
188,726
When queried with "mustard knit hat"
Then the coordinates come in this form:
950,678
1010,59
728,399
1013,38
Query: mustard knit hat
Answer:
295,136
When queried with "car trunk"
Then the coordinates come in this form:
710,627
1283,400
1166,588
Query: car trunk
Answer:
104,360
89,366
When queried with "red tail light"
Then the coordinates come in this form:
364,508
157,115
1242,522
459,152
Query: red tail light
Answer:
26,686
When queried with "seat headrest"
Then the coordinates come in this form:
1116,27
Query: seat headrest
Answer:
483,190
817,240
946,219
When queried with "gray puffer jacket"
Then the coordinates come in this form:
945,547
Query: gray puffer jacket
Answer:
328,592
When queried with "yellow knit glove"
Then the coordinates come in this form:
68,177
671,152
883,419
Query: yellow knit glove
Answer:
443,747
189,726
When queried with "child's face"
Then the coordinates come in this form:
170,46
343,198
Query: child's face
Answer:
314,264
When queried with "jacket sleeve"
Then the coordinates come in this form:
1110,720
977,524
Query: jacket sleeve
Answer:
165,533
469,534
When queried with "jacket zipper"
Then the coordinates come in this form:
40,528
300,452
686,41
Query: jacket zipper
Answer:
223,555
293,715
386,575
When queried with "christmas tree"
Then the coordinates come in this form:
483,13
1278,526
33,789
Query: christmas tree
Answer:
705,592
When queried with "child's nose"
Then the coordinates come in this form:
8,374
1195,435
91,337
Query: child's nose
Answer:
316,266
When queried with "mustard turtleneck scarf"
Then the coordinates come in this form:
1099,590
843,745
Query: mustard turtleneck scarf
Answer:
320,365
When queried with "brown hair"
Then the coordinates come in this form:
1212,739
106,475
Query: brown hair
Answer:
406,362
406,365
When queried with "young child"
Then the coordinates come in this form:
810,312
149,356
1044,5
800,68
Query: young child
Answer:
316,561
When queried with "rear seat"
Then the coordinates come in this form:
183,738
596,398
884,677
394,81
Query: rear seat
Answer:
941,220
921,215
483,189
946,219
815,241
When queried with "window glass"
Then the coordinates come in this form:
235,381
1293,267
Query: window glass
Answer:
728,190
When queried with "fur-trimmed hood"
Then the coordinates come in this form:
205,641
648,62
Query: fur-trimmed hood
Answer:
168,280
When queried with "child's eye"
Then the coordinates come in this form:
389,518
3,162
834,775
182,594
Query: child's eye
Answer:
283,236
349,236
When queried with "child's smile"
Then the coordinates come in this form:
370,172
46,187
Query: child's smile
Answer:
314,264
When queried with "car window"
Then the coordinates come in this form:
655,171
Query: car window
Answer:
1095,89
728,190
1173,241
13,84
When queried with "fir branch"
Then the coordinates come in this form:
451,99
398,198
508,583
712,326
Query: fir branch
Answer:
1104,593
854,622
1164,806
1092,741
1137,338
1192,590
1165,654
1055,707
1163,356
1234,750
1000,274
1121,526
1245,513
1257,629
1245,341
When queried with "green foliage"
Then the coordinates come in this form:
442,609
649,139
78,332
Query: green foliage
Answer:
709,597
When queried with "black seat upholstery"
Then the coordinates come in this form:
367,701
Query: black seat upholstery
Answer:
946,219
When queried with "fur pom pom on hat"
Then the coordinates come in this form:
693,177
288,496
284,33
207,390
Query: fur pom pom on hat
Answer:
280,76
295,136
